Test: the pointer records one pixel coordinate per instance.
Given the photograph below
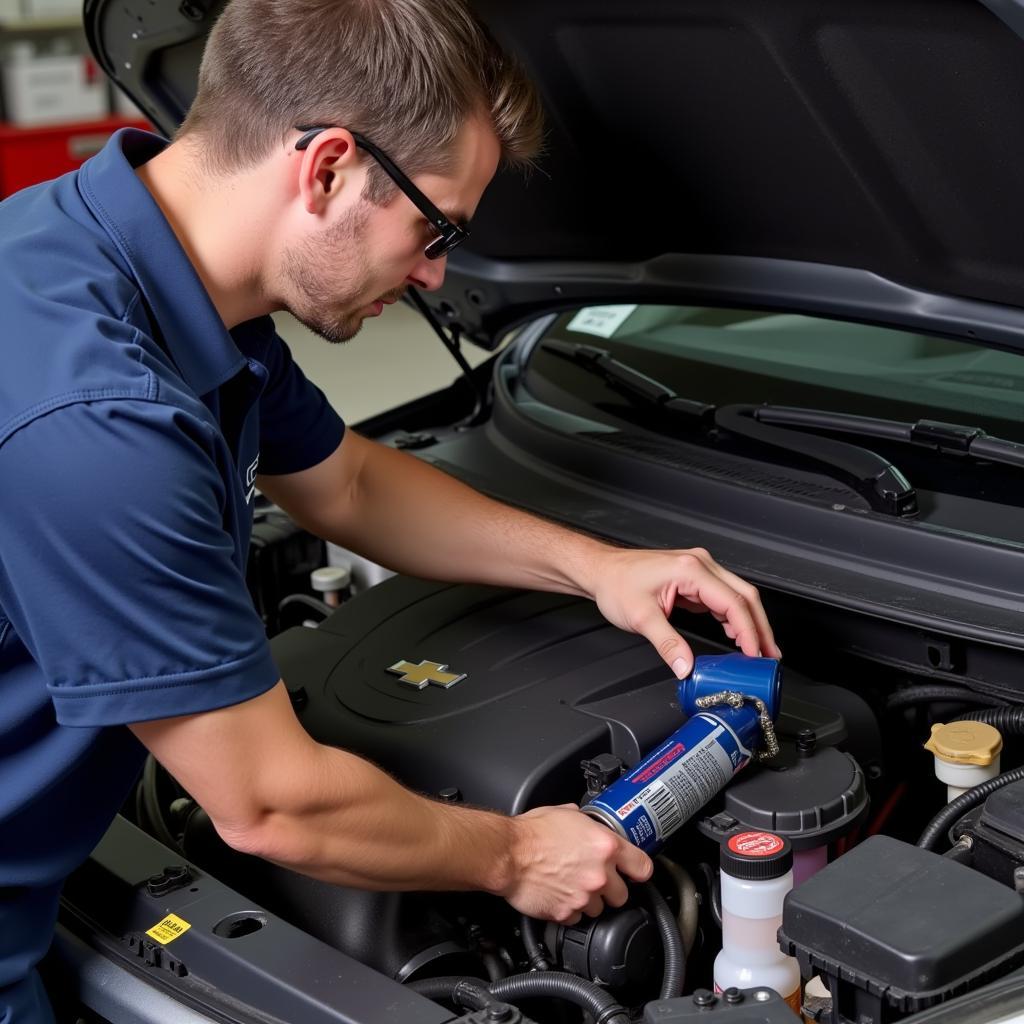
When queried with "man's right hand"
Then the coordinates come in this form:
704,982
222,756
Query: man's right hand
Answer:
565,864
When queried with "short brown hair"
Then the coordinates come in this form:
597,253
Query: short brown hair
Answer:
405,73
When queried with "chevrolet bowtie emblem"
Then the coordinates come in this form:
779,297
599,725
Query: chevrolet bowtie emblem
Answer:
426,673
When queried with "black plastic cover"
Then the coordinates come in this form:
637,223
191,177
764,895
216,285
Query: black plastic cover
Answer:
234,960
744,1006
809,800
898,929
548,683
1004,811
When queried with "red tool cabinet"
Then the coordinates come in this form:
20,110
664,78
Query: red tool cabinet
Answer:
31,155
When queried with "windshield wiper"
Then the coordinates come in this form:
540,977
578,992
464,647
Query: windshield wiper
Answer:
870,474
945,438
882,484
637,386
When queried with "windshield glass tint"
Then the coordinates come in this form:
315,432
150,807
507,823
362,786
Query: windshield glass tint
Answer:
725,356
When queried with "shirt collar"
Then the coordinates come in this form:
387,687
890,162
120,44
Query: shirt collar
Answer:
194,334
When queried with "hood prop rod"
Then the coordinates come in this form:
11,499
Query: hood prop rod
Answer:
452,344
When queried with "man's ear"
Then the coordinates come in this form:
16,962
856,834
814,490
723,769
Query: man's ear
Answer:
325,166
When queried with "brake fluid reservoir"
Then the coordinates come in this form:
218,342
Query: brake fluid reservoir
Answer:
810,795
966,754
757,872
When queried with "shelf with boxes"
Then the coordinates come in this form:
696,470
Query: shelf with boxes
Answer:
57,105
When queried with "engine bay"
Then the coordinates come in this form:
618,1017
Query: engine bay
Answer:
511,700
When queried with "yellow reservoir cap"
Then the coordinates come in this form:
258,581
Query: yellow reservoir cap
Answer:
965,742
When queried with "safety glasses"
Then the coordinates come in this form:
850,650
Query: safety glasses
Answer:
449,234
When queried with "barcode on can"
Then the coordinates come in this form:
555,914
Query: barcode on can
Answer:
664,809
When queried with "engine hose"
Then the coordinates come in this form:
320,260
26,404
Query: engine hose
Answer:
151,805
469,993
689,907
599,1004
474,994
928,694
1009,721
535,951
673,952
943,821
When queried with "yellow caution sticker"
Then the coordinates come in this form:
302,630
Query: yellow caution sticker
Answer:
169,929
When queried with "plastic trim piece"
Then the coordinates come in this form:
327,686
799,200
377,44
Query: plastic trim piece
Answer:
508,293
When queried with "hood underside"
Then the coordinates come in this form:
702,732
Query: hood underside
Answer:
881,139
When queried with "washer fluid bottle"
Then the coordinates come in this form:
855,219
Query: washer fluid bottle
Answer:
757,872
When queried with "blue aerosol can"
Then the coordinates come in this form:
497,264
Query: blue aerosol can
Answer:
732,701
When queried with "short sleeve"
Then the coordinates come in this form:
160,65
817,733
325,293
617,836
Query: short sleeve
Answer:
298,426
117,568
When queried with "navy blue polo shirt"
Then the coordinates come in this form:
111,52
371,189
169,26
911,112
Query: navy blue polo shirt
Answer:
132,426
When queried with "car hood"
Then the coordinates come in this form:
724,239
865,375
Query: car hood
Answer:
855,159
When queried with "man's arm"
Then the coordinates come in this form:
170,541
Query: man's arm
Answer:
403,513
271,790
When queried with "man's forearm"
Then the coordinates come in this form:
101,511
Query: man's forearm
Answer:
342,820
413,518
408,516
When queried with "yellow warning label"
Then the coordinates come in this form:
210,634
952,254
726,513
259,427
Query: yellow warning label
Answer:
169,929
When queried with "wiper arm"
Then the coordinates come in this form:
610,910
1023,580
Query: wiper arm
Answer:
638,387
878,480
947,438
884,486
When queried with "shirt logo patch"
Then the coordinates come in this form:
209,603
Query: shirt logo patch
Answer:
250,479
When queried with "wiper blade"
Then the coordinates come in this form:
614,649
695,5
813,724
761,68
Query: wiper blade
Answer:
882,484
946,438
878,480
638,387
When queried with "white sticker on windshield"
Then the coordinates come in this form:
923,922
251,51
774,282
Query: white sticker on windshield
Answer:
603,321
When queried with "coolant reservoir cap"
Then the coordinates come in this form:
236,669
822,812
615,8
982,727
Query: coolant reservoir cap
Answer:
756,856
330,577
965,742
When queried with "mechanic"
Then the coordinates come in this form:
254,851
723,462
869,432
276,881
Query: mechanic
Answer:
143,394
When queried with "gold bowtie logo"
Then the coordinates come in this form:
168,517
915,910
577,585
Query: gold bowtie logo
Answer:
426,673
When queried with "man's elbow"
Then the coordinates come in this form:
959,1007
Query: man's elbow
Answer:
270,835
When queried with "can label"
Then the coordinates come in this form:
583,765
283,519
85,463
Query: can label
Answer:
675,781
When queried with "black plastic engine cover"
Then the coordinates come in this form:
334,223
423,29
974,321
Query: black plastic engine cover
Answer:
548,682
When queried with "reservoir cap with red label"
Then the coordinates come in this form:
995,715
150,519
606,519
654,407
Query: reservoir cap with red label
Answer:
756,856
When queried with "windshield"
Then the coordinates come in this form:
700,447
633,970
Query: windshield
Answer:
723,356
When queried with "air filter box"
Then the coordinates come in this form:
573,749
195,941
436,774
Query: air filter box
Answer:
895,929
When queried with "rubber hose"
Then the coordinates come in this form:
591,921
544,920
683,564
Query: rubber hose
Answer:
943,821
928,694
536,954
673,952
469,993
494,965
151,802
689,908
716,901
554,984
1009,721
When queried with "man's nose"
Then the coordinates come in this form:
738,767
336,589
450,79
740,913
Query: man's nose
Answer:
428,275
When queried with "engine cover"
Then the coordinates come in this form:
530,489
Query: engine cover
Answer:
544,682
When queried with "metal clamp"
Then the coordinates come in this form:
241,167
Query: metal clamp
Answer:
733,699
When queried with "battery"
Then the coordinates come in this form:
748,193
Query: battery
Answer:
675,781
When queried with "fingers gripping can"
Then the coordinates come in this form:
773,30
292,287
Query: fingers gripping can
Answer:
677,779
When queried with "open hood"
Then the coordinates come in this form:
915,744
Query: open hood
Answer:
854,158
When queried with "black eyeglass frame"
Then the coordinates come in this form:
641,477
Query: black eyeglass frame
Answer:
449,233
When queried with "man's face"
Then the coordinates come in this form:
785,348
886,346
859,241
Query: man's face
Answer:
343,273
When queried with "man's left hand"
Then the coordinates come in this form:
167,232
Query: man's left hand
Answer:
637,591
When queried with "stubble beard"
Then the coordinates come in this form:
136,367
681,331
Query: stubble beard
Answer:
324,274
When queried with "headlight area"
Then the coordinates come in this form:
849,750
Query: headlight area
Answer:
855,876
